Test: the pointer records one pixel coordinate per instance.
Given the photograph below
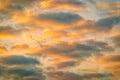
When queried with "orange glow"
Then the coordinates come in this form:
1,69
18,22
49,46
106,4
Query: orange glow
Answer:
54,34
7,35
46,4
22,19
115,35
20,47
59,59
76,35
2,49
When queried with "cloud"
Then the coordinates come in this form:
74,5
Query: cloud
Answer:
33,78
2,68
60,17
10,32
114,67
100,45
49,20
20,47
116,39
59,75
53,34
59,38
107,23
23,72
9,7
18,60
108,5
106,61
75,35
6,36
75,49
67,64
110,63
114,12
75,5
111,58
64,54
2,49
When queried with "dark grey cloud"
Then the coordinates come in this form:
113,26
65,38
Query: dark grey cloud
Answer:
33,78
67,64
61,17
100,45
70,76
107,23
18,60
16,7
73,2
21,72
2,69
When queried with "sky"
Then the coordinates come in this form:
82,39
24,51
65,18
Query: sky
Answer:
59,40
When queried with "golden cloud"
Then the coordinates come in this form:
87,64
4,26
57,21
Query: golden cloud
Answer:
60,5
75,35
20,47
54,33
2,49
7,36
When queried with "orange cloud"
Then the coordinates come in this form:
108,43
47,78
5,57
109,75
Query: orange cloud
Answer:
54,33
2,49
7,36
107,62
35,51
24,19
20,47
75,35
59,59
109,58
60,5
115,35
108,5
113,67
103,5
116,76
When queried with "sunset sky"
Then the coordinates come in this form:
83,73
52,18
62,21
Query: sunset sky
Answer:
59,39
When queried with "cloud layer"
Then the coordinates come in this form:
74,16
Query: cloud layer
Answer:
59,40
